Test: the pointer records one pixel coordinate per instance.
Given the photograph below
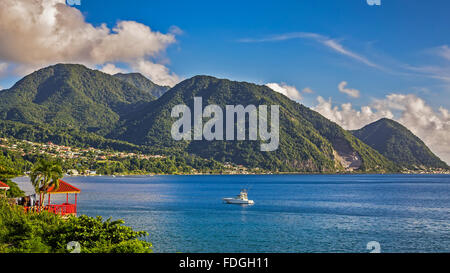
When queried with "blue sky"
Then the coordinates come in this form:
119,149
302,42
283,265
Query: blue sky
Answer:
395,35
359,62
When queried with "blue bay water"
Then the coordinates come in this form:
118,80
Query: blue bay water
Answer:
292,213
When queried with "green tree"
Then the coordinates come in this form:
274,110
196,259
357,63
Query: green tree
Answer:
45,174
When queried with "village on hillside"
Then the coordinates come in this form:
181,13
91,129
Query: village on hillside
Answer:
102,158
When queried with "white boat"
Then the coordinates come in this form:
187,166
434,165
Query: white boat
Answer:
241,199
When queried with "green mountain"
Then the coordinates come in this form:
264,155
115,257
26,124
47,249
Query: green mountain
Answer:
308,141
141,82
71,96
398,144
71,104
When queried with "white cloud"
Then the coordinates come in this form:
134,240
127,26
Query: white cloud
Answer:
333,44
42,32
440,70
289,91
307,90
112,69
433,127
432,71
351,92
443,51
348,117
324,40
157,73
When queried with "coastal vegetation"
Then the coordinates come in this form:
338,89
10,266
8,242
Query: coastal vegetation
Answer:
45,232
12,165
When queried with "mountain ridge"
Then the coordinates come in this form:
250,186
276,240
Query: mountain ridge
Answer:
73,100
310,151
399,144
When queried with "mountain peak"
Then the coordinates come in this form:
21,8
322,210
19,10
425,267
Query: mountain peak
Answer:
203,77
399,144
65,66
132,74
70,94
216,79
308,141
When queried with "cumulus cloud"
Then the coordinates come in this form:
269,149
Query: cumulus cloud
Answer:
112,69
433,127
289,91
157,73
351,92
348,117
42,32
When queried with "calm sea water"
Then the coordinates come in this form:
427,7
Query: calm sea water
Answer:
292,213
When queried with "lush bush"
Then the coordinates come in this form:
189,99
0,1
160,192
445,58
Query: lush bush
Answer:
96,235
22,232
12,164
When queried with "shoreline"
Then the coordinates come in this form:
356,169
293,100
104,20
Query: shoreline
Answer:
251,174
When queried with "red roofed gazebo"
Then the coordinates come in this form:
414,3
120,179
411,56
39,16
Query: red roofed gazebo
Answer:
4,187
65,208
64,187
61,209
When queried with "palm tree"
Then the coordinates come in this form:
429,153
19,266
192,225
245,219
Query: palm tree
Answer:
45,174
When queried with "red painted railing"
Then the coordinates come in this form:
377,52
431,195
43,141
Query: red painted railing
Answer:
63,209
